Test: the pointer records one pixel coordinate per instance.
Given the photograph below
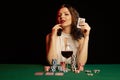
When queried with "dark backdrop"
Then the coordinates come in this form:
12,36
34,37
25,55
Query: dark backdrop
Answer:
25,25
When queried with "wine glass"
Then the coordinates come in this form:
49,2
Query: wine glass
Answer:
67,53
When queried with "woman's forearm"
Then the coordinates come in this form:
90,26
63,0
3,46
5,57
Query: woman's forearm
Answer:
52,51
83,52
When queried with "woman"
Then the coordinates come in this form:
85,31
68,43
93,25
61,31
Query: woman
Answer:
78,37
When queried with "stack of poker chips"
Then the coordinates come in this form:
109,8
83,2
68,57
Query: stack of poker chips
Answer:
63,65
60,69
54,65
73,63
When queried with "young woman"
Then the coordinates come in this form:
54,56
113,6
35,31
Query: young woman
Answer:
76,36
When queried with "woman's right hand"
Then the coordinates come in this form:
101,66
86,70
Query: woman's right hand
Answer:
55,29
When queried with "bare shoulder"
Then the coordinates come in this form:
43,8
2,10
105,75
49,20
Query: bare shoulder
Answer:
48,35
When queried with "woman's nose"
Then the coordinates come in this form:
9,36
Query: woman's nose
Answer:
62,16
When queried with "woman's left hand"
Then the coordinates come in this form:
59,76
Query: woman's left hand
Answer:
85,29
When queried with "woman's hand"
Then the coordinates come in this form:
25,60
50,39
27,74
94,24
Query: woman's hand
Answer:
85,29
55,29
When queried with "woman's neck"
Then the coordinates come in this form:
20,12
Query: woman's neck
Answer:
67,30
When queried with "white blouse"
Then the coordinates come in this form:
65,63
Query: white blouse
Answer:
61,46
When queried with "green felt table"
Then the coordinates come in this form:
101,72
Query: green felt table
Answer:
27,72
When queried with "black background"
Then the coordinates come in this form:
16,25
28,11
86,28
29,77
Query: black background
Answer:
25,25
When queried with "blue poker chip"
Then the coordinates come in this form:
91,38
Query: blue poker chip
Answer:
54,61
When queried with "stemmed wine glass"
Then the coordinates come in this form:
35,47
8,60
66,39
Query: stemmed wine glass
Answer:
67,53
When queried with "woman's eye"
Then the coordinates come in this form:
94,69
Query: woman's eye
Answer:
66,14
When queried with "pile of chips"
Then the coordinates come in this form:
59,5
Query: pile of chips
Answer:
92,72
58,70
76,68
54,67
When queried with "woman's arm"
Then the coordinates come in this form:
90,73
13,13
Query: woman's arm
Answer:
83,45
51,48
83,51
51,44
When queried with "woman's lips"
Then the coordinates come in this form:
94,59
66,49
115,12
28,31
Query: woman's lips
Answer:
62,21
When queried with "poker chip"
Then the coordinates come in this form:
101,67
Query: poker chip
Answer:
59,74
54,65
39,73
90,74
73,62
60,68
65,70
88,71
63,65
49,73
96,70
54,62
46,68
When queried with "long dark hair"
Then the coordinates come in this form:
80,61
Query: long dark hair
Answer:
75,32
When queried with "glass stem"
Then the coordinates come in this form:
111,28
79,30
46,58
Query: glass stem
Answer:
66,65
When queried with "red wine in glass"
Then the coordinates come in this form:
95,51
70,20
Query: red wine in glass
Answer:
66,54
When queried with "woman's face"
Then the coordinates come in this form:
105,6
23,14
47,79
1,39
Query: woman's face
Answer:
64,17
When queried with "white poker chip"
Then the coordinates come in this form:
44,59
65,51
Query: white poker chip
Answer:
96,71
59,74
90,74
88,71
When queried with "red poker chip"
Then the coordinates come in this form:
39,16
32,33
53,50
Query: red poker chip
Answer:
39,73
46,68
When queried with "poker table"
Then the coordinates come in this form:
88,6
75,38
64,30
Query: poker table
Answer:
27,72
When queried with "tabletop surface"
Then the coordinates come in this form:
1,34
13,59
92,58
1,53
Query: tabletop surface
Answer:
27,72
